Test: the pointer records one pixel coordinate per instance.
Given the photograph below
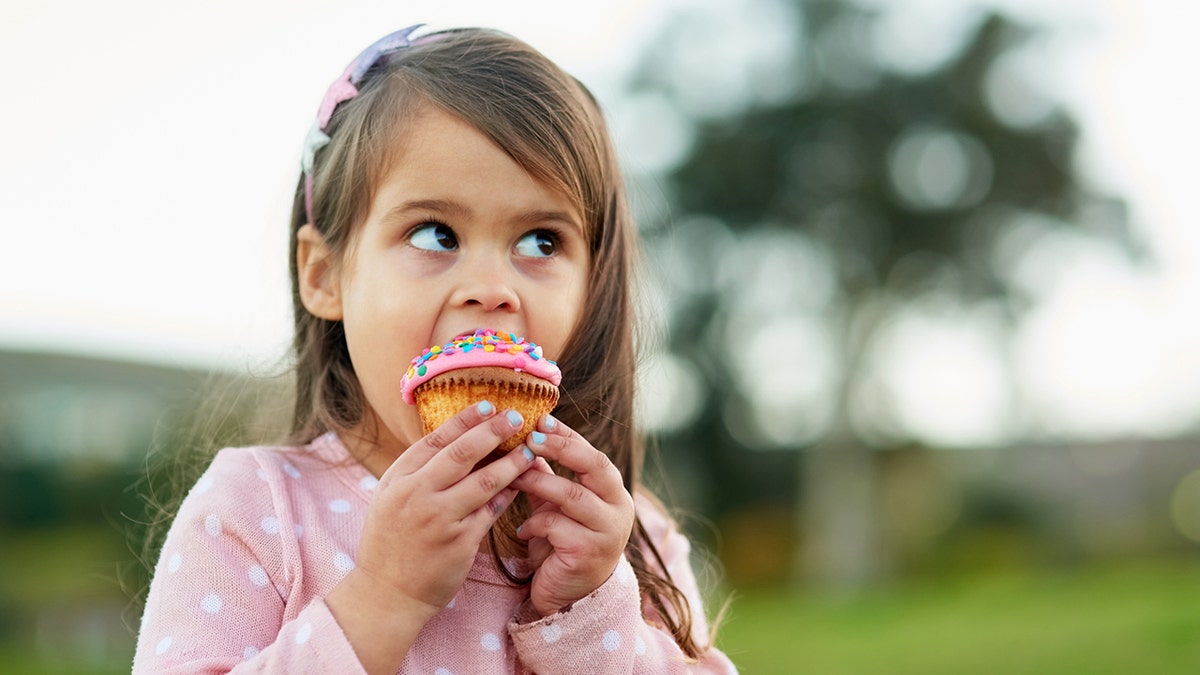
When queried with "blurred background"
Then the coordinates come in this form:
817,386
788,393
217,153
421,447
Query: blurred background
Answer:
924,274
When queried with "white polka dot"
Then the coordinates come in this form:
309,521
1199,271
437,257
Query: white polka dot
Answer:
639,646
339,506
442,671
612,641
250,653
551,633
369,483
304,633
204,484
270,525
259,576
299,530
490,642
163,645
212,524
174,563
291,471
343,562
261,473
211,604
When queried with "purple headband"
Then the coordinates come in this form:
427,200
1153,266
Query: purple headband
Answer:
343,89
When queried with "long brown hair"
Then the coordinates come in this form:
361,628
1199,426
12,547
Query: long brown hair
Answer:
552,126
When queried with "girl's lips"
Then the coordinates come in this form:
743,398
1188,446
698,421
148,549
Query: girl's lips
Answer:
465,333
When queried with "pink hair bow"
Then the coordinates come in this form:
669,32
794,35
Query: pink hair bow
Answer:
343,89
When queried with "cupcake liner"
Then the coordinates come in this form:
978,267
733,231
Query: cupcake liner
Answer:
450,393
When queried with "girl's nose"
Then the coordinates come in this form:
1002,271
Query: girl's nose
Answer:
487,285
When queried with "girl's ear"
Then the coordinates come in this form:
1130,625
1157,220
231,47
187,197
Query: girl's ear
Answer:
320,286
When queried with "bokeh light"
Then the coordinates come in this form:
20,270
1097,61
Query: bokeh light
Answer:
1185,506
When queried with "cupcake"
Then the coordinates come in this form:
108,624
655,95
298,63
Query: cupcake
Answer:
499,367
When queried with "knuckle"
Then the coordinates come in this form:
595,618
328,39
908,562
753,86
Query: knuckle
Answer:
576,492
488,482
438,438
600,461
458,425
460,453
444,435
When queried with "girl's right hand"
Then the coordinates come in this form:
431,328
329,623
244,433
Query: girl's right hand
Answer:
426,519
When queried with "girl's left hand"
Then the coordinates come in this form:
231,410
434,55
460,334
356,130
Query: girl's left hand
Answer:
579,528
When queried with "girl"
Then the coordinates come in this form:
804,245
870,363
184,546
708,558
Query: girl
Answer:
452,181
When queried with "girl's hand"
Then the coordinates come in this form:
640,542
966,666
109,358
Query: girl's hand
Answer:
578,529
431,509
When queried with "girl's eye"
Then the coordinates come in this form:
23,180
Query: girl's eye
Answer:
433,237
538,244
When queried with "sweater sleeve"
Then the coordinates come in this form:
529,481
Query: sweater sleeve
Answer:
606,632
217,599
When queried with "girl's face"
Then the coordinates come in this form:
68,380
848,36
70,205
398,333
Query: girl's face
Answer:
457,237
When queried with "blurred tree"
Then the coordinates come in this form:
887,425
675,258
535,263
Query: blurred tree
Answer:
816,193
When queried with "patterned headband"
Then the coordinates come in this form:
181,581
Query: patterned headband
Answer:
343,89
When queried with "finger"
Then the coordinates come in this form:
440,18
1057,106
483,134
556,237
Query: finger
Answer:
482,485
457,459
593,468
540,465
485,515
499,503
572,498
556,528
417,455
551,425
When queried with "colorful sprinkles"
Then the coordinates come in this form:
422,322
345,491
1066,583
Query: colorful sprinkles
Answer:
486,339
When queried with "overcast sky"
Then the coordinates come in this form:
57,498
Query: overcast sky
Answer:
150,150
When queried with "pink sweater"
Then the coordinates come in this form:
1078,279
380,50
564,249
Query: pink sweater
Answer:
267,532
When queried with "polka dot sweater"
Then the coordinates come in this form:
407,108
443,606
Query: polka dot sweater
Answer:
266,533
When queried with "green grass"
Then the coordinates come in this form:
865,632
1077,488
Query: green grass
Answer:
1141,618
17,659
64,602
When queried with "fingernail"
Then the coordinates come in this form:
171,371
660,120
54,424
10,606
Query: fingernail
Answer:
514,418
528,453
485,408
538,438
519,528
551,423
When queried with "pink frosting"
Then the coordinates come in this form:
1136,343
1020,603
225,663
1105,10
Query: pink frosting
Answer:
485,347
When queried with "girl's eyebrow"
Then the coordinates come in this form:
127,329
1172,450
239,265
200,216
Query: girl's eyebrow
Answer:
447,207
541,216
456,210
